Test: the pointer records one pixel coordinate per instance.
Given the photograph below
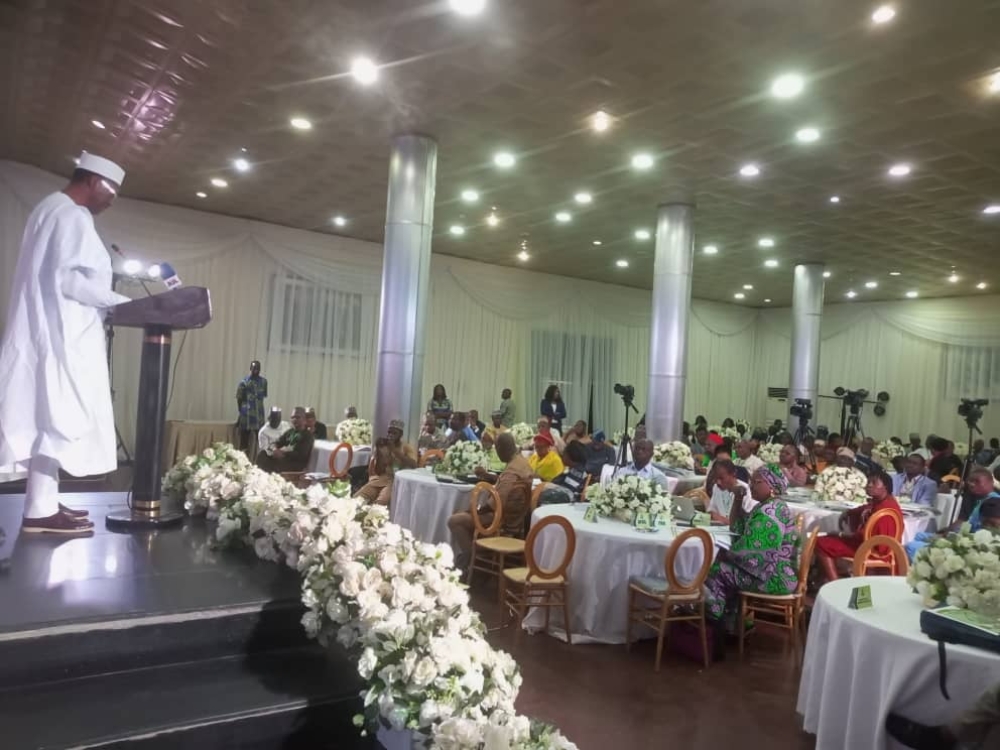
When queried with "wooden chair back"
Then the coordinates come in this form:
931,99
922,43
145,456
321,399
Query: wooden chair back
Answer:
805,561
536,495
676,587
494,527
895,559
800,524
534,570
878,516
332,463
431,453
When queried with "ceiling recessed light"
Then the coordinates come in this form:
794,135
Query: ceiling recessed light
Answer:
739,295
899,170
642,161
749,170
201,194
883,14
219,182
895,273
851,294
981,285
600,121
788,85
642,234
807,135
504,159
468,7
339,221
748,287
765,242
564,216
827,274
598,243
953,278
871,285
622,263
912,294
834,199
492,220
993,208
97,124
523,255
300,123
364,70
710,250
771,263
767,299
470,196
457,229
583,198
241,165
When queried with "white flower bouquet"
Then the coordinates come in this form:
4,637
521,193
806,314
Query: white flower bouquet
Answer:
616,437
207,480
725,432
961,449
887,450
463,458
522,432
355,432
962,570
623,496
769,453
838,484
675,454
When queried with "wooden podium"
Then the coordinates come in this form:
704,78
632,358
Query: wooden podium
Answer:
158,316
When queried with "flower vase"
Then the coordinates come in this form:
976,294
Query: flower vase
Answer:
401,739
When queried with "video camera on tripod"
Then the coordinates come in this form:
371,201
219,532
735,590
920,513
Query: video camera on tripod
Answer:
627,392
971,409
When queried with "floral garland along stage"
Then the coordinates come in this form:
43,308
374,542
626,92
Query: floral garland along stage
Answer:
623,496
463,457
675,454
842,485
370,586
355,432
961,569
522,432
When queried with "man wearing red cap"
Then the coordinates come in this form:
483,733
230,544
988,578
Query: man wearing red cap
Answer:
545,462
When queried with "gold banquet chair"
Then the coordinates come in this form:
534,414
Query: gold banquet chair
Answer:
878,558
490,550
895,561
332,463
533,586
677,602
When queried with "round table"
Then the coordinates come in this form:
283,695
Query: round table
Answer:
826,519
862,664
423,505
607,553
319,459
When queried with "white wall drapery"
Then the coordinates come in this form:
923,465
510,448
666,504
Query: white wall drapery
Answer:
491,327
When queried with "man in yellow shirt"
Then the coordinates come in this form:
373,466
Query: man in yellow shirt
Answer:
497,427
545,462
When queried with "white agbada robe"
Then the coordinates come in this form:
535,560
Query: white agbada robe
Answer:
55,396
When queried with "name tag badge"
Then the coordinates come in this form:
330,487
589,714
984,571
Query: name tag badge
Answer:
590,514
861,598
642,521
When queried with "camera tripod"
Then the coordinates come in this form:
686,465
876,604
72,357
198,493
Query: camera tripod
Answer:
624,448
803,432
852,427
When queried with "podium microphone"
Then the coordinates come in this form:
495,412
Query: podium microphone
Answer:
170,278
127,262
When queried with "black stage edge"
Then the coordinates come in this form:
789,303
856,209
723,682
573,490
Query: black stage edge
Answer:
156,640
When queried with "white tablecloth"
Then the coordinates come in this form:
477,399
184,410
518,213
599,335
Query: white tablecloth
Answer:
862,664
826,520
423,505
319,461
607,553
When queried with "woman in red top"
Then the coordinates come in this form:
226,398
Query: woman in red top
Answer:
845,543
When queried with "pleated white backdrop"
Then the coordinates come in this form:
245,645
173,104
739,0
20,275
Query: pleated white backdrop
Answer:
306,304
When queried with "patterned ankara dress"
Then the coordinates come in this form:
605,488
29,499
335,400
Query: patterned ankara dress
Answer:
763,559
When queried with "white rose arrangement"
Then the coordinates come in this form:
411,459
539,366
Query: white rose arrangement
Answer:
205,480
394,602
522,432
887,450
463,458
837,484
769,453
616,437
675,454
961,449
725,432
354,432
622,497
962,570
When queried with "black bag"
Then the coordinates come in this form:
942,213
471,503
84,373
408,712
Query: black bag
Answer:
946,630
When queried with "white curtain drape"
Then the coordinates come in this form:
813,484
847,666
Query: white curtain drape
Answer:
306,305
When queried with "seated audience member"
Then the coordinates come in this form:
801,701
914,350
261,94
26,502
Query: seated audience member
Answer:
542,428
986,456
747,450
913,484
516,472
578,432
835,442
567,486
641,464
788,461
845,543
724,453
728,491
545,461
274,429
700,445
978,489
943,460
494,463
431,436
318,429
292,450
976,728
899,464
391,455
496,426
598,453
916,446
763,557
864,461
989,515
459,430
475,425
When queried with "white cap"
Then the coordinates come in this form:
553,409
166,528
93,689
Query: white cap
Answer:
103,167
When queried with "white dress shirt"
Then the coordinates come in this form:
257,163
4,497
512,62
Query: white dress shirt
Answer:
268,435
648,471
722,500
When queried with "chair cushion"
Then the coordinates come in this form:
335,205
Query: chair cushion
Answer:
650,584
769,597
503,544
520,575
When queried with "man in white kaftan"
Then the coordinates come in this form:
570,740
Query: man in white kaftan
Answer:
55,398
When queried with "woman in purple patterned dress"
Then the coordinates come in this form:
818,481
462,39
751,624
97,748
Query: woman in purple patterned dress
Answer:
764,553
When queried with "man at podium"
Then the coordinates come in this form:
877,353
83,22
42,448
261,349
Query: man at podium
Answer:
55,397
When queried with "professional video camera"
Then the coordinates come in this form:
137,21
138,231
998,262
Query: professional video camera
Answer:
802,408
627,392
972,410
854,399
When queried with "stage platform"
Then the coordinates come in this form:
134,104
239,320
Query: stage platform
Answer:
155,639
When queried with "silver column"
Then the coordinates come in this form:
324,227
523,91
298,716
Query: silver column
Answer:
669,329
807,314
405,279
